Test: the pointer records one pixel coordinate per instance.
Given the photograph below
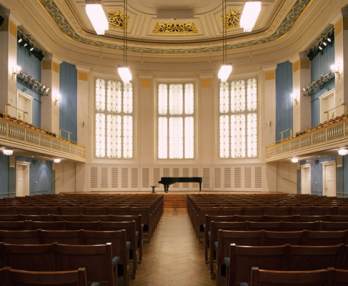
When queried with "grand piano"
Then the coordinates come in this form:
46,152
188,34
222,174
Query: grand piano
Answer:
167,181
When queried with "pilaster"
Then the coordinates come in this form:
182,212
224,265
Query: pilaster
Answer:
50,103
301,104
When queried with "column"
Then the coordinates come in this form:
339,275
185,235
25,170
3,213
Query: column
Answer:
341,60
83,130
8,63
301,104
50,103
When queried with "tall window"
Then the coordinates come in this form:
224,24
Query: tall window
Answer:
238,119
113,120
175,121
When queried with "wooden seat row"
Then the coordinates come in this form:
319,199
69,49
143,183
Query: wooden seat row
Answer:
118,240
284,257
321,277
15,277
269,238
96,259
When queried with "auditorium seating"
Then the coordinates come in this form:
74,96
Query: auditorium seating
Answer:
14,277
320,277
274,232
103,233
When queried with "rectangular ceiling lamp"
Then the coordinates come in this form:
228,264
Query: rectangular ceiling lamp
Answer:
250,14
97,16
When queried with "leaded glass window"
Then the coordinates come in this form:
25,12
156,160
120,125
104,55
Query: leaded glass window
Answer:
113,120
175,117
238,119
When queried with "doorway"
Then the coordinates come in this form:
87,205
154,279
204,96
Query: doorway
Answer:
329,179
306,179
22,179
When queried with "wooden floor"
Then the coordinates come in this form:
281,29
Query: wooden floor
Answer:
173,257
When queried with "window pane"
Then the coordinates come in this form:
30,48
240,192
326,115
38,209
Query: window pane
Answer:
238,136
189,98
162,138
127,137
100,135
238,96
252,135
114,136
176,149
114,96
224,127
128,98
224,97
189,137
100,95
162,99
252,94
175,99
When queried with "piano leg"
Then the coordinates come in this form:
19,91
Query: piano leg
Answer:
200,186
166,188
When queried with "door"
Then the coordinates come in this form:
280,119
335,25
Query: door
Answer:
22,179
329,179
305,179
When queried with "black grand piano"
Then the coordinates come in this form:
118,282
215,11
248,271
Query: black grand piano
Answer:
167,181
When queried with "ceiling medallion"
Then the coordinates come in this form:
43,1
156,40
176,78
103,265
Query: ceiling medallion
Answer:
232,19
117,19
175,28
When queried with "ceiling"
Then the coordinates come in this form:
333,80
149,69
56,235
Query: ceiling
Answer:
180,21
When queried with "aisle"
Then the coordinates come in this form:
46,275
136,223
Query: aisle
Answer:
174,257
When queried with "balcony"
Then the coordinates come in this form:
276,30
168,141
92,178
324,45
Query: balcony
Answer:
20,135
327,136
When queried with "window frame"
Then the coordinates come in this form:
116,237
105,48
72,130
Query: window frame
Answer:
229,113
106,112
157,116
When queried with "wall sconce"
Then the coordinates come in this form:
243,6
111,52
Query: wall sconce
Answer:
336,69
294,160
342,152
16,70
7,152
57,160
56,97
295,97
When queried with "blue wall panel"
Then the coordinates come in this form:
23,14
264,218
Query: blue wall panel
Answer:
68,104
32,66
320,65
4,176
283,99
41,176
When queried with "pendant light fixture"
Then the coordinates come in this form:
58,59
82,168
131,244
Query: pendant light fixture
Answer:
225,69
97,16
124,71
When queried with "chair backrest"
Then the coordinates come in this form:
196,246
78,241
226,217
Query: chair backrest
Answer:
34,257
91,225
340,277
243,258
261,277
313,257
117,238
60,236
14,225
323,237
20,236
281,237
51,225
97,259
334,225
55,278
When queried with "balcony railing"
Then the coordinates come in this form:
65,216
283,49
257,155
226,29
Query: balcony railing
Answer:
330,135
17,134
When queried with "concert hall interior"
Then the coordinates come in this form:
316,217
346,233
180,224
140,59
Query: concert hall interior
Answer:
191,143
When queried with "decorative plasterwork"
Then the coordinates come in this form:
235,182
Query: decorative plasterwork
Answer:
117,20
175,28
232,18
283,28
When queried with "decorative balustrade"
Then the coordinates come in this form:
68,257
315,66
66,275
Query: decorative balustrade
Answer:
19,135
330,135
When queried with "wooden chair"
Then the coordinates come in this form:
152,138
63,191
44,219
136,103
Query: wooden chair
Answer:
324,237
60,236
340,277
261,277
16,277
20,236
97,259
281,237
